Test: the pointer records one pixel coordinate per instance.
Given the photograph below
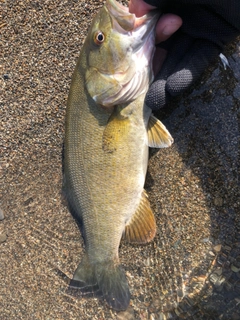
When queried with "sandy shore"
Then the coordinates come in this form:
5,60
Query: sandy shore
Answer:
192,269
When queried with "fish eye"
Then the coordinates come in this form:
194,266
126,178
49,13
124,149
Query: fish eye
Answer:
99,37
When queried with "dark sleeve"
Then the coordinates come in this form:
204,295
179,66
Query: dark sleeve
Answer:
229,10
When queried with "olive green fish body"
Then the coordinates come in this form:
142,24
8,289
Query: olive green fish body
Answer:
108,131
101,177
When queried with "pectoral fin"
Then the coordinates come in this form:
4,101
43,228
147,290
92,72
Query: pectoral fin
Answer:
158,135
116,130
142,226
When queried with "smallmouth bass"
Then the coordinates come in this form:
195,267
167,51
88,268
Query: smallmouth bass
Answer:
108,132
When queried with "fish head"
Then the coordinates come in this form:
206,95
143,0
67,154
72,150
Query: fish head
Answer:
119,49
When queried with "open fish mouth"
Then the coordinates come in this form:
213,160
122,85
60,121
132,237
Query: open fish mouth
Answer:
125,22
128,21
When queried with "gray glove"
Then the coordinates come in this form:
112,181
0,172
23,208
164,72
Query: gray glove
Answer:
208,25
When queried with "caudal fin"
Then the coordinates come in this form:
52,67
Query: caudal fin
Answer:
105,280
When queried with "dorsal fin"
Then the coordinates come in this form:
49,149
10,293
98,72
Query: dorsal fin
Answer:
141,228
158,135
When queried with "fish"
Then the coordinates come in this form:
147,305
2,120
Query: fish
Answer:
108,132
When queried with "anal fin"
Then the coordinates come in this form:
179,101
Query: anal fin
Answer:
141,228
158,135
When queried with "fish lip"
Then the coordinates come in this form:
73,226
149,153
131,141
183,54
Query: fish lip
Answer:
112,4
128,21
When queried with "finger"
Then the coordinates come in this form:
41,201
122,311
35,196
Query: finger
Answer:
179,73
167,25
158,96
177,47
192,66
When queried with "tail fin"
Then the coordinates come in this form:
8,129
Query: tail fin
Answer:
105,280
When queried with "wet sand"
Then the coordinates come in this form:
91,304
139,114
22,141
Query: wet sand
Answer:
192,269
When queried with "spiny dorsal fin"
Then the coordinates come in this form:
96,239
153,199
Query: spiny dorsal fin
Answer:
158,135
141,228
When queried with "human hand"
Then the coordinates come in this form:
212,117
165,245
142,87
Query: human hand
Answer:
208,25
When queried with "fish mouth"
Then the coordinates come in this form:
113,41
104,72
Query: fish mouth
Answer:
130,49
126,20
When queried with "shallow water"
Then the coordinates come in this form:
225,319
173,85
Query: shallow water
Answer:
198,210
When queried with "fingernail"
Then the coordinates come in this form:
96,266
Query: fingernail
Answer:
170,29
